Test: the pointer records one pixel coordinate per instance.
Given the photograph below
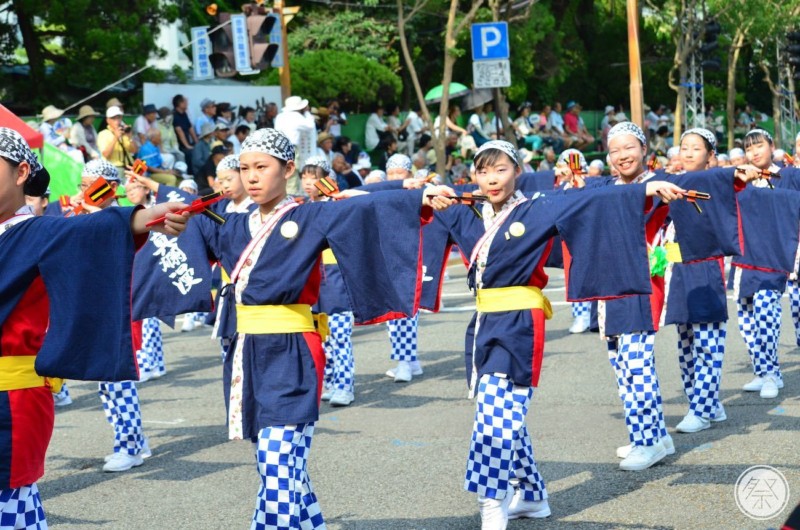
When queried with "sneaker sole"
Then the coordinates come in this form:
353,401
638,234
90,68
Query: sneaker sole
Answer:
530,515
641,467
689,431
414,373
340,403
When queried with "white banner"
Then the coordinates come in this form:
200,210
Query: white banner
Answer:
201,49
241,45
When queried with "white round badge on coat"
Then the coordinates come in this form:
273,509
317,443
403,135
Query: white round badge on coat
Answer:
516,229
289,229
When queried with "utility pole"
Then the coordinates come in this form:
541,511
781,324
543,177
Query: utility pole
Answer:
635,64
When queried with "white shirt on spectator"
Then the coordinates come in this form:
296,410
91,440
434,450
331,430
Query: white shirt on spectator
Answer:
371,137
50,135
141,125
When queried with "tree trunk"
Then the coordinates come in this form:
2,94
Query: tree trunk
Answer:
440,138
32,45
412,71
730,106
776,102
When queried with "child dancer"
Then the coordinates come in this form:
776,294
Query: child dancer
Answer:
508,247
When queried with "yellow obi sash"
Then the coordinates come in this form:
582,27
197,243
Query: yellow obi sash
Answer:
272,319
17,372
328,258
513,299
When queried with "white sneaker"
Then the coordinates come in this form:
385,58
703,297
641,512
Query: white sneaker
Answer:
522,509
642,457
494,512
669,445
144,453
122,462
758,382
342,398
416,369
770,388
402,374
62,399
327,394
719,415
692,423
188,323
580,324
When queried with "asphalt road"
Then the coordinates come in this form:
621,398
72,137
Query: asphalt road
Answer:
395,458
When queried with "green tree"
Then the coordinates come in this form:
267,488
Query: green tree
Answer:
352,78
346,31
112,38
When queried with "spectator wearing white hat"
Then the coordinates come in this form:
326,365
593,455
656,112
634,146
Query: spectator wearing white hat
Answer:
596,168
115,142
297,123
82,135
208,110
737,157
49,115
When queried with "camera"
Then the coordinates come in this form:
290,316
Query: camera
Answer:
126,128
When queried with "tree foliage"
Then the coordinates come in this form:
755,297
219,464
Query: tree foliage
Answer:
84,44
345,31
355,80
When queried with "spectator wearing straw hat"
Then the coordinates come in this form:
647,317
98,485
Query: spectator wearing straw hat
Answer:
83,135
144,122
49,115
114,102
325,146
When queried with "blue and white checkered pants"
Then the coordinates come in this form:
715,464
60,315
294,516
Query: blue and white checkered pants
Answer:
793,288
151,357
403,334
701,349
581,309
22,508
501,446
121,405
632,358
760,325
339,363
286,499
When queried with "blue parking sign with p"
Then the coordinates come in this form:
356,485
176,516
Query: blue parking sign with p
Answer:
490,41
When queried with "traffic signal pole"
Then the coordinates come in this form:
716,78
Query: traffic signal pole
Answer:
284,71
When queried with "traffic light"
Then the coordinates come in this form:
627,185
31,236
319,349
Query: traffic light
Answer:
222,58
259,25
793,53
710,44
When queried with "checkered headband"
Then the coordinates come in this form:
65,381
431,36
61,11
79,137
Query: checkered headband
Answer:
398,161
762,132
101,168
704,133
14,147
501,145
627,127
319,161
271,142
229,162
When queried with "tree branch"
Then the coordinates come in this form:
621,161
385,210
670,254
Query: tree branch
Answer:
468,18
